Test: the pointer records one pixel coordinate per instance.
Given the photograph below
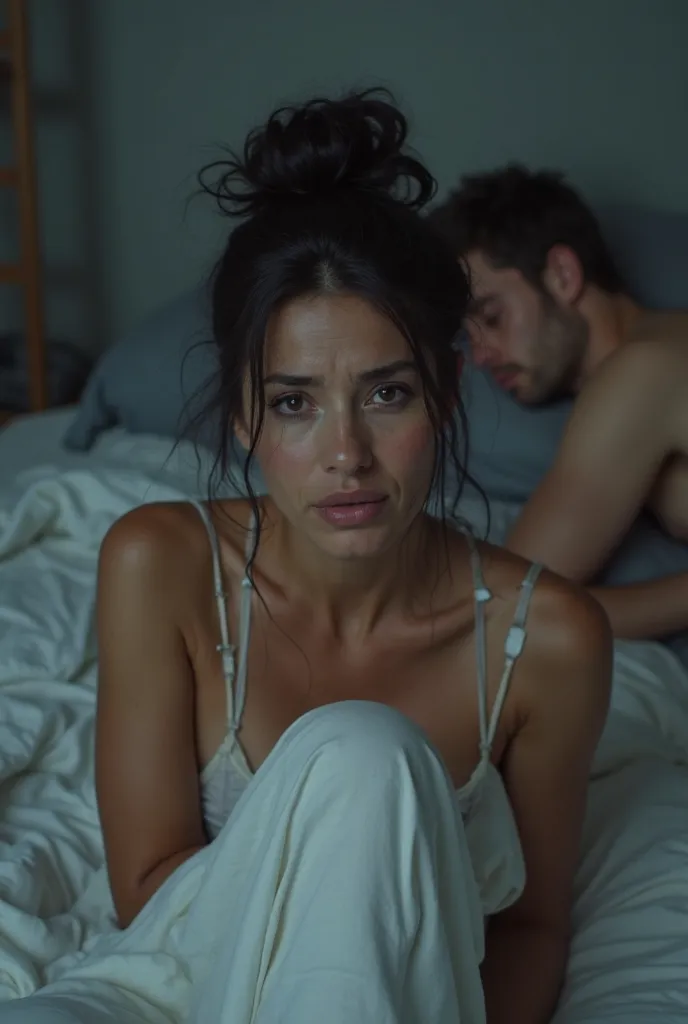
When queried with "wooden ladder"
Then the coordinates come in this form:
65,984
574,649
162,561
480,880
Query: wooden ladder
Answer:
27,271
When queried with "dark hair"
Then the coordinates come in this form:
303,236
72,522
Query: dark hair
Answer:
329,197
515,216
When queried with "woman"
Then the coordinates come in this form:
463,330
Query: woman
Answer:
412,714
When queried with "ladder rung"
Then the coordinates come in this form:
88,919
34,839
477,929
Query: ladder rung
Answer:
10,273
8,176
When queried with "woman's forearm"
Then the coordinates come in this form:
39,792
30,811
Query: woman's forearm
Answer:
522,973
646,611
128,909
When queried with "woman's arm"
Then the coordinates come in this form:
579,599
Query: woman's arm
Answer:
146,767
564,682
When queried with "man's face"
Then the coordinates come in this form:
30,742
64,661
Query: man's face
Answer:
531,344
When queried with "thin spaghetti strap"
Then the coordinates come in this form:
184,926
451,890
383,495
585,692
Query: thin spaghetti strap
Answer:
513,646
225,648
244,628
481,595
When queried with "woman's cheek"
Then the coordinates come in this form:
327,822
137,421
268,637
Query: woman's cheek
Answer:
412,447
284,450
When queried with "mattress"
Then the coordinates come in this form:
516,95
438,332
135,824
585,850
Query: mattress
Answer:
31,440
32,445
35,440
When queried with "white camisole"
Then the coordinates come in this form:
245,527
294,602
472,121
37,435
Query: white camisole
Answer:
489,822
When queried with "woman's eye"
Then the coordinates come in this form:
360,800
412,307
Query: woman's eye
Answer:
289,405
390,394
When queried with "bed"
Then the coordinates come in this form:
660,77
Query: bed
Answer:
629,960
29,440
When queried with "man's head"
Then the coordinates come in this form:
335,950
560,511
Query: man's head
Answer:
534,251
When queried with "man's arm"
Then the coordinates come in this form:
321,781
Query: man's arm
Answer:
648,610
620,433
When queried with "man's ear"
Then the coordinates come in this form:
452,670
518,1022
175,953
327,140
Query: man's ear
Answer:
563,276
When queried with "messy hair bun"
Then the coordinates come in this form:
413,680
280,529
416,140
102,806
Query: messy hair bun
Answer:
320,148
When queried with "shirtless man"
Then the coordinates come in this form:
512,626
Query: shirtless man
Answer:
550,318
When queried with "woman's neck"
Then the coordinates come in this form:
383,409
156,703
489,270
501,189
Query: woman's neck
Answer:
350,597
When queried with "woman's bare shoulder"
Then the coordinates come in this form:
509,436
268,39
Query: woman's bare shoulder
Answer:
162,543
568,634
562,617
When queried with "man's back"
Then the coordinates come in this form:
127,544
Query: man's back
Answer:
668,499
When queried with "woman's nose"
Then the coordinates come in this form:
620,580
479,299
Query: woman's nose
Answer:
347,446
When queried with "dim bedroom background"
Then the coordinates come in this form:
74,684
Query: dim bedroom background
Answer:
155,87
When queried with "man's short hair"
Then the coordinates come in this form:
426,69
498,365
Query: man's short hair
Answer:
514,216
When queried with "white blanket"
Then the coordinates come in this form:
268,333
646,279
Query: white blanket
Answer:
630,956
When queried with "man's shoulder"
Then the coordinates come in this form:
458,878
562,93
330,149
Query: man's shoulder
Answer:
664,337
659,346
635,396
649,369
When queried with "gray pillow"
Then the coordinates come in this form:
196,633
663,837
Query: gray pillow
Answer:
157,381
511,446
150,382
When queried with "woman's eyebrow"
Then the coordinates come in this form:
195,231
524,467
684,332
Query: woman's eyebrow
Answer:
376,373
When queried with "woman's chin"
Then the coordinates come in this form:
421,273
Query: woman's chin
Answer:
363,542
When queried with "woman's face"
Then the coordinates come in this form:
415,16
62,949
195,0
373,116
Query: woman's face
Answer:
347,449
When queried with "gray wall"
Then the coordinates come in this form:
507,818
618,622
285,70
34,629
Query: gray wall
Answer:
596,87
